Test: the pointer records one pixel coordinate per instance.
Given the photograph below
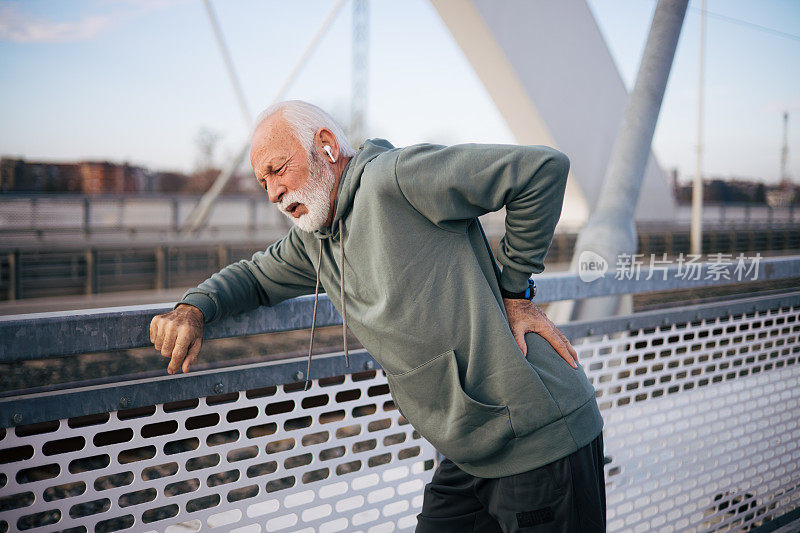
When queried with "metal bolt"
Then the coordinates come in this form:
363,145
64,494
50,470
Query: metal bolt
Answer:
299,375
17,418
629,325
218,388
697,317
590,331
369,365
123,402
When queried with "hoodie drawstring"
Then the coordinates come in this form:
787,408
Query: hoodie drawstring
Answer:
313,319
316,301
344,306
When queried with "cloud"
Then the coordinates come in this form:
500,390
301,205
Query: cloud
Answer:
19,27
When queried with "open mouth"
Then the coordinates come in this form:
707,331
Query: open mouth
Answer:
292,209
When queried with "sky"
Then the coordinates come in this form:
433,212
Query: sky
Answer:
137,81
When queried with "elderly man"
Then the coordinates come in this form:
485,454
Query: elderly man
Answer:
392,235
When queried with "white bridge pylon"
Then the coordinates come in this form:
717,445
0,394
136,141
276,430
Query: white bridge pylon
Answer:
551,76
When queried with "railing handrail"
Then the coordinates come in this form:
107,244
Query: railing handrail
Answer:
23,407
104,238
43,335
262,238
132,196
251,196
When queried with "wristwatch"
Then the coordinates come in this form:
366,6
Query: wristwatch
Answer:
527,294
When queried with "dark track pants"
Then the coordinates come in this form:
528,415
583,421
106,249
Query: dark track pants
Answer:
567,495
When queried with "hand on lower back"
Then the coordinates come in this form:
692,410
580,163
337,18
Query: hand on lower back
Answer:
524,316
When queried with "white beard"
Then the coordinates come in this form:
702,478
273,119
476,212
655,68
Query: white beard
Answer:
315,195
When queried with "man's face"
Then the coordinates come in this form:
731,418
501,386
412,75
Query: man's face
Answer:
298,182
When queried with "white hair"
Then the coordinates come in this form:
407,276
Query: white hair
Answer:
305,120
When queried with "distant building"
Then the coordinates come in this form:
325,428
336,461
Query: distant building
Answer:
785,194
736,190
104,177
87,177
170,182
110,178
18,175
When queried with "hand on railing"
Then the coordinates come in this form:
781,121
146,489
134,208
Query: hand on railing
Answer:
524,316
178,335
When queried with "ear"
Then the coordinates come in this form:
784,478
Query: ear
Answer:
325,137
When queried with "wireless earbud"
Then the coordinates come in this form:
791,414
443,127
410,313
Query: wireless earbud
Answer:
328,149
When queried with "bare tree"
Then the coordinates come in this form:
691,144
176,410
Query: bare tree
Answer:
206,141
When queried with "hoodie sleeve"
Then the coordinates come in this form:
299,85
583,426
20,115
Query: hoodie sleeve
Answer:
450,185
280,272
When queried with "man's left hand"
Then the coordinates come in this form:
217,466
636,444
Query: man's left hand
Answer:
524,316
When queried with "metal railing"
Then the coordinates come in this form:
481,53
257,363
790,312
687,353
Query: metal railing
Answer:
38,214
35,269
701,406
148,214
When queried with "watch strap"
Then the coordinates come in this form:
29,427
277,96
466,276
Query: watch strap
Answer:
528,294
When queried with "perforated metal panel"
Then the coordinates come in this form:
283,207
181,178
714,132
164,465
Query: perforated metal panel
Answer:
338,457
702,421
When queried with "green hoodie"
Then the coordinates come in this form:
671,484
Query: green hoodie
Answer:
422,296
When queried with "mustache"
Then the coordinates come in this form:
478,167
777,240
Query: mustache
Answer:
289,198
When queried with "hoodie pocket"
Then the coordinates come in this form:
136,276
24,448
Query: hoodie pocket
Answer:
432,399
569,387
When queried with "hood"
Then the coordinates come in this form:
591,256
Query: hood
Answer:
348,185
350,182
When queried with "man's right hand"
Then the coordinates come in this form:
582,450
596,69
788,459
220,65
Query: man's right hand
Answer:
178,335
